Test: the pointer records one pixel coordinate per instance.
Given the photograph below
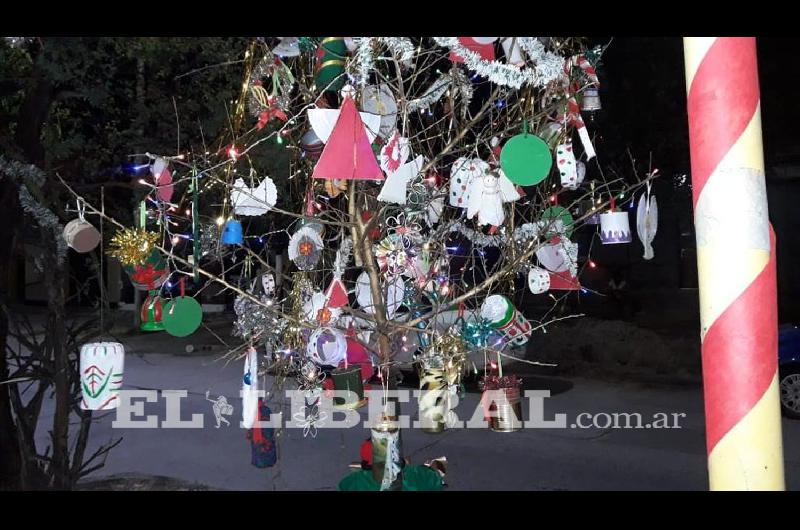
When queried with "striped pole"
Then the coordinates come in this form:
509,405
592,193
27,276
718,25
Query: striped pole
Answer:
735,265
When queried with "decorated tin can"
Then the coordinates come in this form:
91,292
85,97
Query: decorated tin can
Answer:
348,379
101,368
387,454
434,399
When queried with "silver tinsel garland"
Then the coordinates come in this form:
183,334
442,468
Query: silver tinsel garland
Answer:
364,61
455,80
23,175
547,67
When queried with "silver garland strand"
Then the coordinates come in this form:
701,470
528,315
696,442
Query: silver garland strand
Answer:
511,75
364,61
455,80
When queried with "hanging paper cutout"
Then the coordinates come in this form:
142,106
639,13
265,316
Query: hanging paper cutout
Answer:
395,187
647,222
253,201
162,178
324,120
348,154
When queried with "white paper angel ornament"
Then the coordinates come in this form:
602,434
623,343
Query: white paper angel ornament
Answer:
487,195
647,221
253,201
395,187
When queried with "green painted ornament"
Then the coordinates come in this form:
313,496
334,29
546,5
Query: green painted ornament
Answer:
331,57
559,212
526,159
182,315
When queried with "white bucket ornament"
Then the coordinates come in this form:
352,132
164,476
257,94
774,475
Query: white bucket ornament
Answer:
647,221
538,280
80,234
101,368
504,317
615,226
462,172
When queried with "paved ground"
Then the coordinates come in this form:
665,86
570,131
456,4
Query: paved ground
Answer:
531,459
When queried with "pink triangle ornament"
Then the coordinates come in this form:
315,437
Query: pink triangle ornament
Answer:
348,154
337,294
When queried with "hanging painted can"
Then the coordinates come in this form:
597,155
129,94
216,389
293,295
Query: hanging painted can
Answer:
348,379
591,100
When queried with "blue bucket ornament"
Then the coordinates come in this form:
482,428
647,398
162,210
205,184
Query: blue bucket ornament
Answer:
232,233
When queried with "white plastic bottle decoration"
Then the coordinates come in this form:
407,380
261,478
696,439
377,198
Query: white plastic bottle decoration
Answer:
101,368
250,389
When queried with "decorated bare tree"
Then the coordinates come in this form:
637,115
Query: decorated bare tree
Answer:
414,183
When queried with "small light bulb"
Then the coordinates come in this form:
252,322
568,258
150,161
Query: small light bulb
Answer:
220,220
176,240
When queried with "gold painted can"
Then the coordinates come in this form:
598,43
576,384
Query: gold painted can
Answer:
508,411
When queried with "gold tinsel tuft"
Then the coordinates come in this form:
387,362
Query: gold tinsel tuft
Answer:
132,246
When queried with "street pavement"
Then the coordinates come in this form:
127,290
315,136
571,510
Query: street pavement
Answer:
478,459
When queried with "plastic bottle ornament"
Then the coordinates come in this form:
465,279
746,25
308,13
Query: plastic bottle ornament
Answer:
538,280
526,159
387,454
150,274
330,65
591,100
647,222
327,346
152,312
101,368
434,399
232,233
81,235
504,317
615,227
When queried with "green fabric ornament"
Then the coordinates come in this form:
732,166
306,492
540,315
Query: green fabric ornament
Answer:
526,159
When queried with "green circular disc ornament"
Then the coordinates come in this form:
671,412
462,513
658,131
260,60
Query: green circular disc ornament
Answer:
526,159
182,316
559,212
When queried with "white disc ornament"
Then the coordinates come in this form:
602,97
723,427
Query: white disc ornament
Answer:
379,99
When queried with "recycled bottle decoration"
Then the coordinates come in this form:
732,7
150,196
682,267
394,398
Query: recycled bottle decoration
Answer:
250,400
505,318
615,226
348,379
571,178
232,233
327,346
152,312
647,221
80,234
262,440
330,65
387,454
502,402
150,274
101,368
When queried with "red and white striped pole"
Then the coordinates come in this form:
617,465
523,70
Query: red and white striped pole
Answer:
735,265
